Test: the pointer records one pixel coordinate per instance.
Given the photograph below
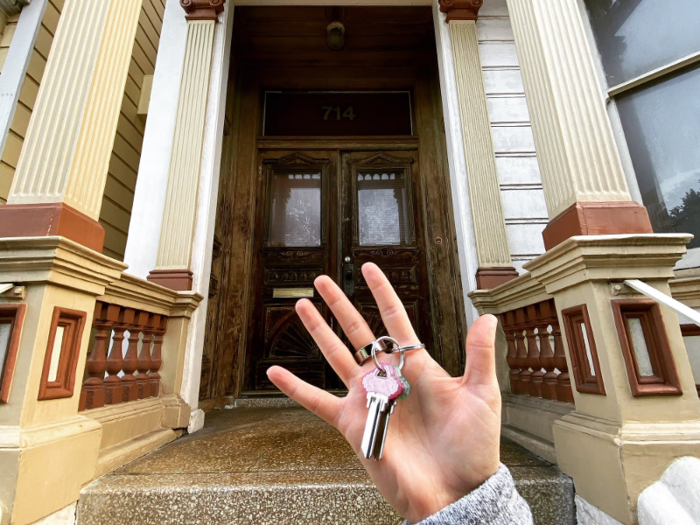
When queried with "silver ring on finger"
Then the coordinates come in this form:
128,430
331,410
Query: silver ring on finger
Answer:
377,347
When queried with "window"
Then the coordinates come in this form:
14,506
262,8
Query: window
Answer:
582,349
11,318
651,56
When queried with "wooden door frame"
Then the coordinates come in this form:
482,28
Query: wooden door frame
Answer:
228,313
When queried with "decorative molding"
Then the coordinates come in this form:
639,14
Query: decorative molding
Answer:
664,379
12,314
576,320
43,220
202,9
461,9
179,280
597,218
487,278
73,323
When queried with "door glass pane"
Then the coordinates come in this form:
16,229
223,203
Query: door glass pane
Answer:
637,36
295,215
382,208
662,126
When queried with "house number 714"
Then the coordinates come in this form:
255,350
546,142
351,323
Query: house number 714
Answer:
337,111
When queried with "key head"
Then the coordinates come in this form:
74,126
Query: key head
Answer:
387,384
406,385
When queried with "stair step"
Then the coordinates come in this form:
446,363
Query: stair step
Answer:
277,465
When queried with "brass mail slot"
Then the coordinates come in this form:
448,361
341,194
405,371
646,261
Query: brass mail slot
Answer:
286,293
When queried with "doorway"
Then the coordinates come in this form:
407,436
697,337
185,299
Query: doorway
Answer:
331,159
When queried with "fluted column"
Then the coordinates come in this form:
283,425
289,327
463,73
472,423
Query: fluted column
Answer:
584,183
175,245
493,252
62,169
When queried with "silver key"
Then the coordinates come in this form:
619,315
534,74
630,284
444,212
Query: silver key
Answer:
382,388
383,429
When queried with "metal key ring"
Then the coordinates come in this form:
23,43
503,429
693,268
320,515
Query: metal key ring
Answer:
402,349
375,344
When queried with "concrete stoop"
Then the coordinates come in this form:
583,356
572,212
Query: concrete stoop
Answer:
260,466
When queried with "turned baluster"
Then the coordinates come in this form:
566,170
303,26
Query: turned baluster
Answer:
93,392
133,320
549,379
535,358
563,380
507,320
114,392
145,360
159,323
521,352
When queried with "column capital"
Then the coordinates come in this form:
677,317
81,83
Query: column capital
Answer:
461,9
202,9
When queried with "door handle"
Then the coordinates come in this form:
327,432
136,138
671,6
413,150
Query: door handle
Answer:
348,277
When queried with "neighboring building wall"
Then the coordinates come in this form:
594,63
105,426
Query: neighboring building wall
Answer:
119,191
521,187
28,94
7,31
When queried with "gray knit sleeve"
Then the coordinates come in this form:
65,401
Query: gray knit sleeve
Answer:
496,502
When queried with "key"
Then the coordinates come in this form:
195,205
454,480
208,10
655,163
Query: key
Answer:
382,389
378,452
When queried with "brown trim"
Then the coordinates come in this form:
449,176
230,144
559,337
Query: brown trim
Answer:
12,314
573,319
487,278
73,323
664,380
461,9
178,280
689,330
57,218
202,9
597,218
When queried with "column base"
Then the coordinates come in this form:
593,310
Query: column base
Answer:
597,218
178,280
487,278
49,219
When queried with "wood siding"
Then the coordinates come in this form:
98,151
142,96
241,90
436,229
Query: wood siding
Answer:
28,93
518,170
124,164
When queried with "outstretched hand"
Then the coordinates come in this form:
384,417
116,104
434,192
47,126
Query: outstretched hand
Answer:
443,440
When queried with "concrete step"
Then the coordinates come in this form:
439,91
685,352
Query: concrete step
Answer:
277,465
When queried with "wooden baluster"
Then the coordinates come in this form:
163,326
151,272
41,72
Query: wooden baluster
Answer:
521,353
133,320
563,380
159,324
114,392
145,360
507,319
93,392
549,379
535,357
533,352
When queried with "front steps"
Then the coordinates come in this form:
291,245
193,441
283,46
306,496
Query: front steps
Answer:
259,466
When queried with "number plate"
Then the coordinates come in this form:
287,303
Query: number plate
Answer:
292,293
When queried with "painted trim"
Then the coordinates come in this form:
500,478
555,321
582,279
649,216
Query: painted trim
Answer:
665,379
14,70
15,314
572,319
73,322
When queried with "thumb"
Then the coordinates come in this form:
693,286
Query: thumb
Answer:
481,352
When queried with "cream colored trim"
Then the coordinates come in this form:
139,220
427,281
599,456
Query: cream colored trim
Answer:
579,160
519,292
659,72
12,7
487,210
177,231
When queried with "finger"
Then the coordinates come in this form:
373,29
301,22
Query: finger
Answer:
481,352
354,325
337,354
393,313
324,405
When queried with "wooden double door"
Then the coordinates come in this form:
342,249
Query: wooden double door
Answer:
329,212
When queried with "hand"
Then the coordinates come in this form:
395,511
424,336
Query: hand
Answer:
443,440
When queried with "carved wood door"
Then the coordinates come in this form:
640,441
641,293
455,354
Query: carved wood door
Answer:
327,212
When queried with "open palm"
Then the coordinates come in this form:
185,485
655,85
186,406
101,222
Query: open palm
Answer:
443,440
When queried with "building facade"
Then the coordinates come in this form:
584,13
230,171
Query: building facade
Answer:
175,173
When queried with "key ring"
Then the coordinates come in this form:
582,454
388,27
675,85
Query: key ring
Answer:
364,353
376,343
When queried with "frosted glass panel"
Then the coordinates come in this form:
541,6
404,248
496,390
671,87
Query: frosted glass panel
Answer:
295,217
382,207
56,353
637,36
662,126
5,329
640,347
589,356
